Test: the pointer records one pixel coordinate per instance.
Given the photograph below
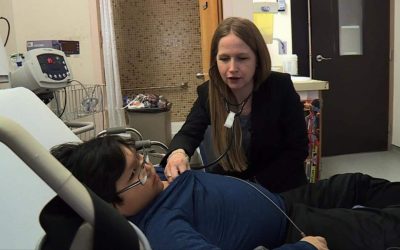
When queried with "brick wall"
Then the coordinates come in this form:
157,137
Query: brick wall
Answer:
158,44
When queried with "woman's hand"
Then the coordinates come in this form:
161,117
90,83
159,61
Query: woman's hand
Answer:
177,163
317,241
165,184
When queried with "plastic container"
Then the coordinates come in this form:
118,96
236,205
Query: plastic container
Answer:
289,64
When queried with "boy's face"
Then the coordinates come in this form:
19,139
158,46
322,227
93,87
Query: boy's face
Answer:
138,197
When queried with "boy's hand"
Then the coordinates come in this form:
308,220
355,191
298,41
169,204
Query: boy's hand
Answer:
317,241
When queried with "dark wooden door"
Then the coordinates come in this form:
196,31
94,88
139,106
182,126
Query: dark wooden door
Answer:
356,106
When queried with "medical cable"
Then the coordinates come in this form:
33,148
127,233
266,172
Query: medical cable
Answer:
229,123
214,162
276,205
283,212
56,97
241,105
8,30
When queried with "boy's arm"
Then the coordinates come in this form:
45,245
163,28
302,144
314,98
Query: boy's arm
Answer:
177,234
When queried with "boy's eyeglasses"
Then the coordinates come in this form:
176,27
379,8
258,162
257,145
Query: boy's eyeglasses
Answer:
142,176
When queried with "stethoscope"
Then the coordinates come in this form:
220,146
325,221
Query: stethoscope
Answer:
229,123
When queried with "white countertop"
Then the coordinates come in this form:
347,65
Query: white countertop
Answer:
302,83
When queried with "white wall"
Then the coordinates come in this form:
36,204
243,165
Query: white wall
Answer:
5,11
282,24
396,83
58,20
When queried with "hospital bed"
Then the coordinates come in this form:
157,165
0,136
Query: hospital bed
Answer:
24,193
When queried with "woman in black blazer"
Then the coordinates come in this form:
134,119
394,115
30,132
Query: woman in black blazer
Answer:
268,139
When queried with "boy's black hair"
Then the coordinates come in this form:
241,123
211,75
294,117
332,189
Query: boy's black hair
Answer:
97,163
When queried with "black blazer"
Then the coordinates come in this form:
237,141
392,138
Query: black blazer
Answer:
279,142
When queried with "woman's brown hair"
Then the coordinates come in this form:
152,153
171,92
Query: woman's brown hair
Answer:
218,90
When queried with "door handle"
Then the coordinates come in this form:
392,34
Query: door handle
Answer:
200,75
321,58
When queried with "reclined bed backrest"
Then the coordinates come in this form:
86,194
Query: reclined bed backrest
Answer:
83,238
24,118
23,193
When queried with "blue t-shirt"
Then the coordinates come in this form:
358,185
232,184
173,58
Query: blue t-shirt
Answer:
206,211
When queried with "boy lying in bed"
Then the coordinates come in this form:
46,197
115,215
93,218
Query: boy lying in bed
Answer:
206,211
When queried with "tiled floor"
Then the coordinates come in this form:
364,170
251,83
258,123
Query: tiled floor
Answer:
384,164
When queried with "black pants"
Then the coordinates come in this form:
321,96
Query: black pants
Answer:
326,209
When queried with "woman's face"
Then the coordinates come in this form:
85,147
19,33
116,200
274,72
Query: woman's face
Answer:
138,197
236,64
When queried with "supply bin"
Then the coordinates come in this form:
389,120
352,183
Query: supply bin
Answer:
151,116
153,123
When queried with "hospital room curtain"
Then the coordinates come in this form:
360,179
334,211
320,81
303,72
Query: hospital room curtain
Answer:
116,115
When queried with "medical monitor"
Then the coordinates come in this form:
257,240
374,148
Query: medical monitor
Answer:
42,71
